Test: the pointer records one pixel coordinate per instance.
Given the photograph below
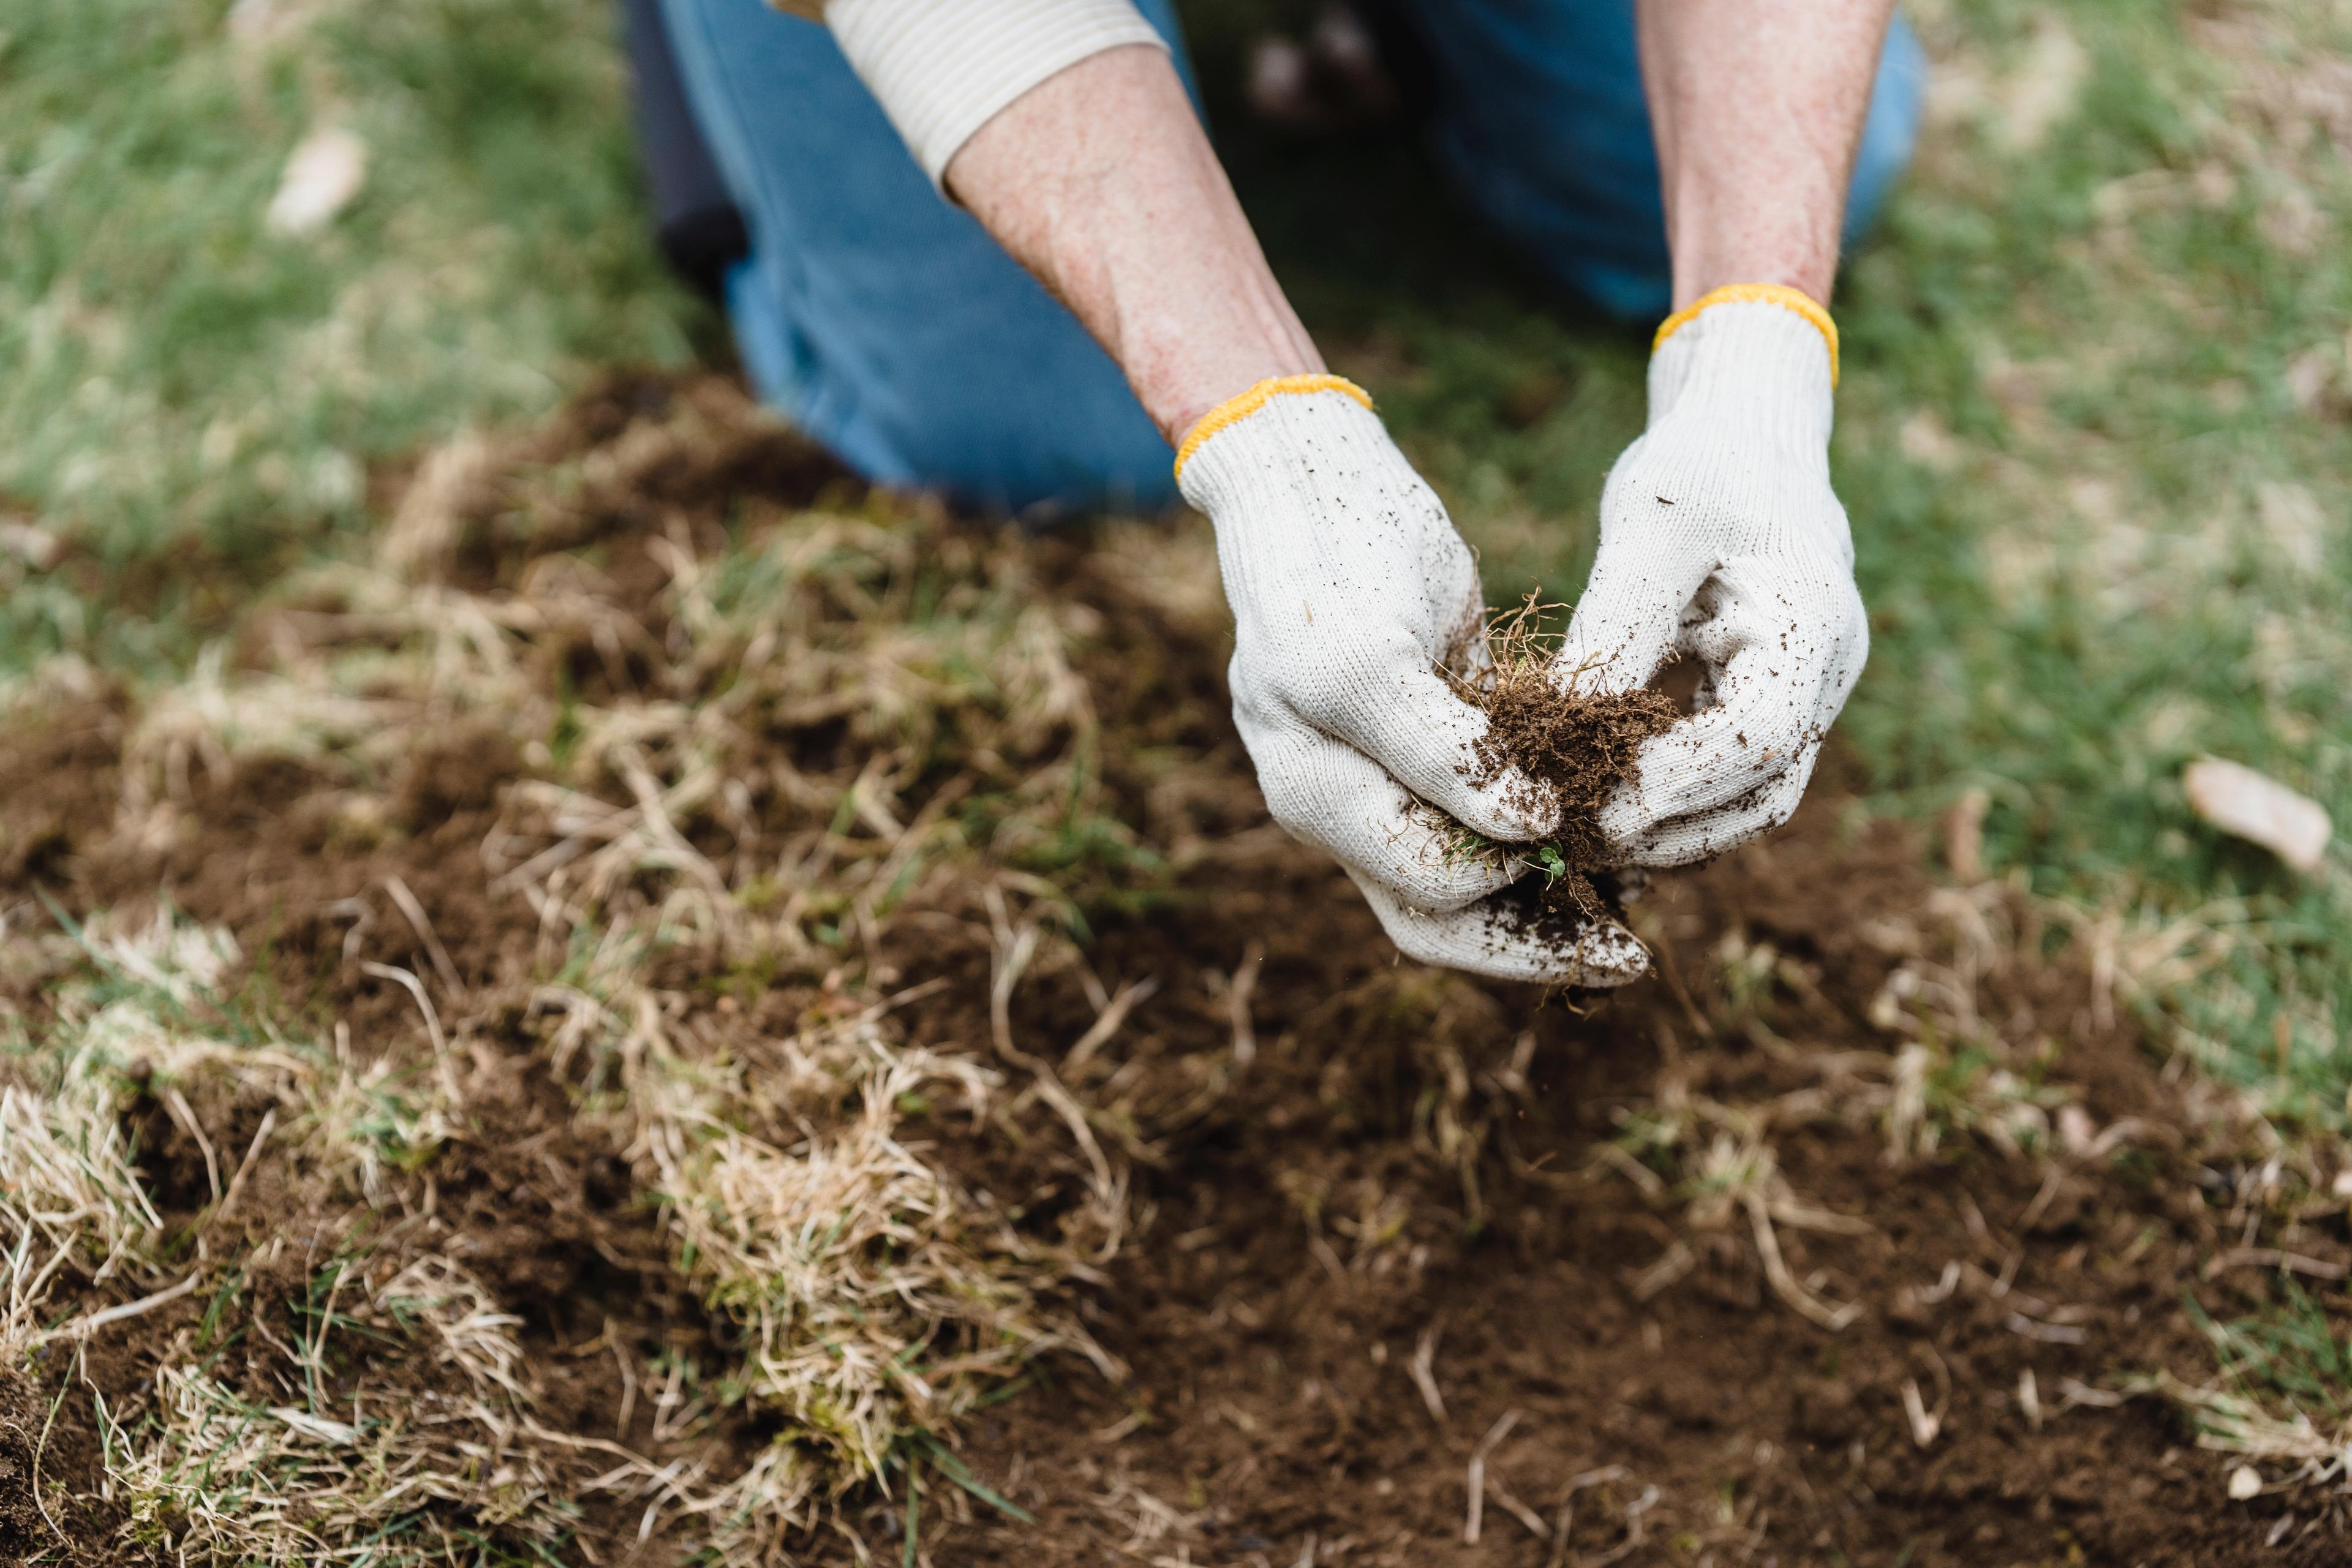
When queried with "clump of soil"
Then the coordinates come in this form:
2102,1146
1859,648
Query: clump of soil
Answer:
1575,749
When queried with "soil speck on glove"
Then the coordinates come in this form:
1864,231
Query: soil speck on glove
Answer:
1575,748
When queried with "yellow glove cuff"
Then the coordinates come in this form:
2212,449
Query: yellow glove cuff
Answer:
1778,294
1250,402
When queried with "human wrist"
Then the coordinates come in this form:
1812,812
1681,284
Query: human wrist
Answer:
1202,326
1789,261
1190,382
1732,218
1191,323
1101,182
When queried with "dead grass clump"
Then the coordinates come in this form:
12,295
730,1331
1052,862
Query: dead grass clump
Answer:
405,1461
378,1406
875,1296
72,1203
759,748
70,1198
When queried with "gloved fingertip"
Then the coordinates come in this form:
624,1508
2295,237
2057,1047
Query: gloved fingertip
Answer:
1623,822
1670,846
1608,955
1604,955
1463,876
1509,809
1484,940
1613,646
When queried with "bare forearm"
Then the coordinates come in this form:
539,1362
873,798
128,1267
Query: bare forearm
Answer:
1758,106
1100,181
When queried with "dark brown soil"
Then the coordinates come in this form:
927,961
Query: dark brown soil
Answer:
22,1421
59,780
1274,1352
50,1501
1396,1235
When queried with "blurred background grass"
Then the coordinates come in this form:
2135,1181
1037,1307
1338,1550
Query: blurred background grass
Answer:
2096,411
189,398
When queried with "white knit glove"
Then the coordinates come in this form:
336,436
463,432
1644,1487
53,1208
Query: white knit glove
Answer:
1721,538
1349,586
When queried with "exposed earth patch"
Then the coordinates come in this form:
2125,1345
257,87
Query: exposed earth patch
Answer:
685,1008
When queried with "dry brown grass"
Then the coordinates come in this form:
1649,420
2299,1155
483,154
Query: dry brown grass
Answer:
874,1298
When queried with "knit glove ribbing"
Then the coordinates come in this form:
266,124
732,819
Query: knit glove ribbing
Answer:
1721,538
1349,586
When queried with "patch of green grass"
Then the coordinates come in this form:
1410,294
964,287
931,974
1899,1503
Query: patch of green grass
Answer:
2292,1354
185,385
2126,547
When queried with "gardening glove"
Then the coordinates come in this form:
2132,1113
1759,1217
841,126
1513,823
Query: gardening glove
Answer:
1720,538
1349,587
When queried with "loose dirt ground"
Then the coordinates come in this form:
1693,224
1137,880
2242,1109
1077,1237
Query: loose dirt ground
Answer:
1839,1240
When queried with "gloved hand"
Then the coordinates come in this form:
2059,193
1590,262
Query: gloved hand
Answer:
1721,538
1349,586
